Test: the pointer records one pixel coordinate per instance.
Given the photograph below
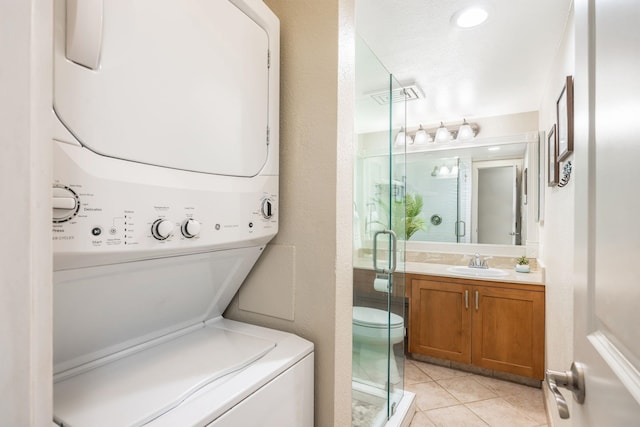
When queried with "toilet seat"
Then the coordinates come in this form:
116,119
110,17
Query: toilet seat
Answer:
374,318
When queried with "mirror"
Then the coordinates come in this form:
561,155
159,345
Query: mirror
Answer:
473,193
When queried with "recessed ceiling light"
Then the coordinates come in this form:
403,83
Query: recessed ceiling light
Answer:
471,17
493,148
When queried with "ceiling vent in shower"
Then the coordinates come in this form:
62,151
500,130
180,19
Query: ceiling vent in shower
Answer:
407,93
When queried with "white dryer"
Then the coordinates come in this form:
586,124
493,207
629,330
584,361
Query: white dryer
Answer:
165,194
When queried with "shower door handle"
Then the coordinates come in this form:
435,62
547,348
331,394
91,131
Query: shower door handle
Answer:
394,245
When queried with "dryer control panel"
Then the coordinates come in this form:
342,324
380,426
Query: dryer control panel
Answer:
116,211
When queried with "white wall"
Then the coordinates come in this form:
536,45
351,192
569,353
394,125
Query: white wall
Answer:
556,231
25,188
313,246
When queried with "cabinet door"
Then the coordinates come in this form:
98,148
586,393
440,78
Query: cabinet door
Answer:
508,330
440,320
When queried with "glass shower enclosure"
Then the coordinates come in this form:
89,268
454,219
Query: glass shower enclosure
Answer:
378,242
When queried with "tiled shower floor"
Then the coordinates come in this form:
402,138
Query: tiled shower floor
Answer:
448,397
364,414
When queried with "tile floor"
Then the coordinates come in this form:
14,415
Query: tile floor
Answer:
447,397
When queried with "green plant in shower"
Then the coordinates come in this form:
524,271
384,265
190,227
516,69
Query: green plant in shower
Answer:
405,219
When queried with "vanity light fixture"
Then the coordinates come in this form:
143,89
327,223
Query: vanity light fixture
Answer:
444,171
442,134
463,133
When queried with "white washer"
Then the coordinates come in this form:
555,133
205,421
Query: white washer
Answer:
165,194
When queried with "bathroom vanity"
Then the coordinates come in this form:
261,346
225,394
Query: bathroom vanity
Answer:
496,324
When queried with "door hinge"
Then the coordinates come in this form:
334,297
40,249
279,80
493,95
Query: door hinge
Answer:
268,59
268,134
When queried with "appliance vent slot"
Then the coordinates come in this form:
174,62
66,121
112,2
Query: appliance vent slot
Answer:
408,93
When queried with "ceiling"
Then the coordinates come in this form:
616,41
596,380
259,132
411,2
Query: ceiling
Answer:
500,67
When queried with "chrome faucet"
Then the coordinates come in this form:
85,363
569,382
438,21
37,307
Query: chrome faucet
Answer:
478,261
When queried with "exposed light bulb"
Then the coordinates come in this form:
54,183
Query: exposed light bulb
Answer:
443,170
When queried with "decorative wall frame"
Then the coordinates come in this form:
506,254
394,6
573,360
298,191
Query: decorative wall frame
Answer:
541,179
564,120
553,168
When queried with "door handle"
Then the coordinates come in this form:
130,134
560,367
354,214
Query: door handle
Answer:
477,298
572,380
394,245
466,298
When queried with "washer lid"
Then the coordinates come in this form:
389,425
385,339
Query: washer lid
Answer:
374,318
169,83
145,385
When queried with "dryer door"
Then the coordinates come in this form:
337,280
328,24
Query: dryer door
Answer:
165,82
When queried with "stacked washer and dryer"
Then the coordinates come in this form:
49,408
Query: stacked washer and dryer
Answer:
165,194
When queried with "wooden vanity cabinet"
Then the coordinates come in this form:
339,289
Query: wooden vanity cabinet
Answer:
493,325
439,320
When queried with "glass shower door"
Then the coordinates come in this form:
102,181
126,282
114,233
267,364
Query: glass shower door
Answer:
379,230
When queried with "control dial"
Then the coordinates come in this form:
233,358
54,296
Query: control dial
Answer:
161,229
65,203
267,208
190,228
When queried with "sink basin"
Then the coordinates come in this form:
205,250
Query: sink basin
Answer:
477,272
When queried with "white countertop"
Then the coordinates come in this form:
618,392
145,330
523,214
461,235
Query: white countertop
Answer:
532,278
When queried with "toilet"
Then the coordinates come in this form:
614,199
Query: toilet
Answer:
373,341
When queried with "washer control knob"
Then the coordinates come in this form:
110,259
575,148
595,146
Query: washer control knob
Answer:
161,229
65,204
190,228
267,208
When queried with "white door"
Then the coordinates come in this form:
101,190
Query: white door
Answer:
607,273
494,202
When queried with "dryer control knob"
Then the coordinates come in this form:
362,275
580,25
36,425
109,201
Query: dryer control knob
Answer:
161,229
65,204
267,208
190,228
